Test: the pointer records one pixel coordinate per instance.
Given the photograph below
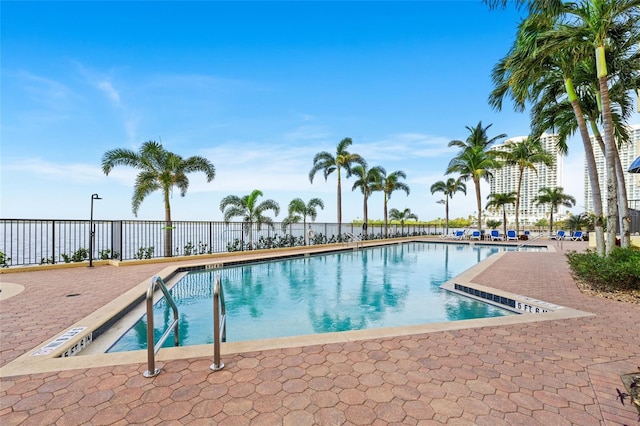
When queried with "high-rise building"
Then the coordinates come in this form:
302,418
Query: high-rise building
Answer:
628,153
505,180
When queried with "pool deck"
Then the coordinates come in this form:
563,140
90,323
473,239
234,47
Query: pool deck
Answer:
551,372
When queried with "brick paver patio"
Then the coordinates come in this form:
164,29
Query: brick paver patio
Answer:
554,372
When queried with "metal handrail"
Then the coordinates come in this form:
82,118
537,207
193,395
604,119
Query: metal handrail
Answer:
354,239
528,241
152,349
219,323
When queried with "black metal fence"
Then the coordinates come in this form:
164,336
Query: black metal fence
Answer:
33,242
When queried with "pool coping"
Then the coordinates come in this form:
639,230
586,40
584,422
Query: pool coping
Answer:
80,333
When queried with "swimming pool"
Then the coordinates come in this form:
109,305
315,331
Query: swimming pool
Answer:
385,286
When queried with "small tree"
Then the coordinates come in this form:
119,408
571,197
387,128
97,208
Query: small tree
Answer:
498,201
401,216
448,188
249,210
554,197
299,210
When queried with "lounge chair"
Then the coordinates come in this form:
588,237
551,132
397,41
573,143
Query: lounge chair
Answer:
511,235
475,235
458,235
577,236
495,235
562,235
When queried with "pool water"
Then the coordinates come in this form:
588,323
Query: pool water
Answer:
385,286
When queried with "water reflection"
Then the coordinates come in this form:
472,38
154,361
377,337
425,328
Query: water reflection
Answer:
380,287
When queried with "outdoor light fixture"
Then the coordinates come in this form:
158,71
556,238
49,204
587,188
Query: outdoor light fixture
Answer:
92,230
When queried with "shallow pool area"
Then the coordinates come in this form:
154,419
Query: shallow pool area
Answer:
385,286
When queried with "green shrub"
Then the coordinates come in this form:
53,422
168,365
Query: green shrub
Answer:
79,255
618,271
4,260
144,253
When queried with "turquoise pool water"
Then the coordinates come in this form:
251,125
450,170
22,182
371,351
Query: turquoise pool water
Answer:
385,286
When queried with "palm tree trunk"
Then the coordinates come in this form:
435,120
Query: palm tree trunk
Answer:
504,221
623,202
386,233
446,215
168,227
476,182
518,200
365,214
623,205
304,229
592,169
610,151
339,203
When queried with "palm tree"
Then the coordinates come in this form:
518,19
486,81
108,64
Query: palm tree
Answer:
329,163
475,161
368,180
249,210
389,184
554,197
576,222
402,216
550,75
525,154
607,25
448,188
493,224
159,170
500,201
299,210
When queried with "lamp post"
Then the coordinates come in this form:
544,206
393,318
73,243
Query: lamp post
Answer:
92,231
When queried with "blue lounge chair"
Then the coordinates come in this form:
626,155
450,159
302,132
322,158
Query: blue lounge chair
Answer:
475,235
458,235
577,236
511,235
561,235
495,235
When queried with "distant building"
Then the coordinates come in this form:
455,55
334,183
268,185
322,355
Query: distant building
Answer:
505,180
628,153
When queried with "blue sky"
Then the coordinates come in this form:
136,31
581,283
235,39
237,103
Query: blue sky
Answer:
256,87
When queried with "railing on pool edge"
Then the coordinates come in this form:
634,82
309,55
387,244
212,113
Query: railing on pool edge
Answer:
219,323
152,349
521,245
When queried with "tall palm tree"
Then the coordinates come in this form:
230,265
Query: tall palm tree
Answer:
554,197
549,74
448,188
329,163
368,180
524,155
402,216
249,210
298,209
605,25
389,184
500,201
475,161
159,170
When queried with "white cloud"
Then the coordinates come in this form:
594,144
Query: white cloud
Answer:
107,87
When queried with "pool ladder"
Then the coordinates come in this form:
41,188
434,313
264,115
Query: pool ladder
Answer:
219,323
152,349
